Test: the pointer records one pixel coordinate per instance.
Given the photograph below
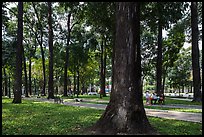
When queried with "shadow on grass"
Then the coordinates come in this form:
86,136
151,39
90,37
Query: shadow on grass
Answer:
40,118
37,118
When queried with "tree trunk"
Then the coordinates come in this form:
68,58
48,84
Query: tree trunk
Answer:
18,73
56,87
159,60
104,70
78,83
9,85
44,76
102,92
67,55
74,90
125,112
5,83
41,48
195,54
30,82
50,82
164,78
25,73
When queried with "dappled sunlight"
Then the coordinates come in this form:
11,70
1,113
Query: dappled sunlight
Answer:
52,118
58,119
175,127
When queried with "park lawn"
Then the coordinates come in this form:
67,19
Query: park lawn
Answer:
95,99
168,100
156,107
40,118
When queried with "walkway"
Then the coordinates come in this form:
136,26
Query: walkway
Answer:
186,116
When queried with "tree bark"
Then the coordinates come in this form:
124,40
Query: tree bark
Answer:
74,90
67,55
30,82
9,85
103,65
5,83
25,73
18,73
78,92
125,112
159,60
50,82
195,54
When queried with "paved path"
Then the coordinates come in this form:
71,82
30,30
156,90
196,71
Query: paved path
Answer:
186,116
168,106
185,99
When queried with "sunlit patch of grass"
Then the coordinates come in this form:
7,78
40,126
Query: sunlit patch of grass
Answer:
169,100
35,118
158,107
175,127
175,109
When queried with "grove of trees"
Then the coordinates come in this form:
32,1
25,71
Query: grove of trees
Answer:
51,48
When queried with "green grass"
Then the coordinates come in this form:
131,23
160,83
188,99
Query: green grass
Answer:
176,109
168,100
175,127
151,107
40,118
173,101
159,107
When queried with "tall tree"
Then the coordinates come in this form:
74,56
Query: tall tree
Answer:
40,41
195,54
67,54
71,8
171,13
25,74
5,83
125,112
159,54
50,82
19,49
103,25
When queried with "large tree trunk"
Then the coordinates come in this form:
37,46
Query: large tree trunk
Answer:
67,55
125,112
18,73
195,54
50,82
159,60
